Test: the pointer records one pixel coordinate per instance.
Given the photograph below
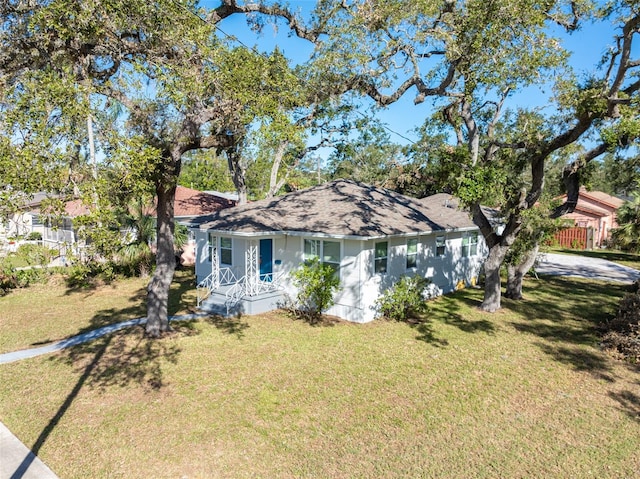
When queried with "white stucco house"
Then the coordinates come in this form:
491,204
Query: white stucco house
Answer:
57,231
370,236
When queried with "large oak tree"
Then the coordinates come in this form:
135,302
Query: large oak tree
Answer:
468,58
181,85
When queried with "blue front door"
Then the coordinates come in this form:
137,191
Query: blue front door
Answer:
266,259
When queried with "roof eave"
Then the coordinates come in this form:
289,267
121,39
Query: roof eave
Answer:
257,234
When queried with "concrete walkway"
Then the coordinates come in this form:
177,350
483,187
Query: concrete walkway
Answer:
585,267
16,460
85,337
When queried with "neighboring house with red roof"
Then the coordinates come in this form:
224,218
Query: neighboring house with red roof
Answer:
370,236
190,204
595,213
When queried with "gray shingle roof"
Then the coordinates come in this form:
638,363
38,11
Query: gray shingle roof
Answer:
341,208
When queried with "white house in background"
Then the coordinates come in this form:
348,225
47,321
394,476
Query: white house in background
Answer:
370,236
58,233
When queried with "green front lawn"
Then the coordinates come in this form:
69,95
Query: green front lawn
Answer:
524,392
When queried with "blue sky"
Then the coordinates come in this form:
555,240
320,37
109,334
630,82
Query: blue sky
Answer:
586,45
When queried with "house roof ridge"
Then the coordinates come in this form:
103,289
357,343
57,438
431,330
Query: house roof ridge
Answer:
342,207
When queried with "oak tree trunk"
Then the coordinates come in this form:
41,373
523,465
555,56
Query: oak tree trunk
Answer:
158,289
492,287
238,173
516,273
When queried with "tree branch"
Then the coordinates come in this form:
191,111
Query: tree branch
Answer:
571,180
230,7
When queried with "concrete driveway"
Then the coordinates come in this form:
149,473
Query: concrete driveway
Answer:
584,267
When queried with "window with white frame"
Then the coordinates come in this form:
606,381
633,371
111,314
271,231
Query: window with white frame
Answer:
469,244
331,254
412,253
226,251
311,249
212,242
440,245
381,256
328,252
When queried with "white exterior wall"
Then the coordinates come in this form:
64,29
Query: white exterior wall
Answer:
287,256
349,302
447,272
360,285
202,262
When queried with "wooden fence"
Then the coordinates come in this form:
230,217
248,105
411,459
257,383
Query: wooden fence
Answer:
575,238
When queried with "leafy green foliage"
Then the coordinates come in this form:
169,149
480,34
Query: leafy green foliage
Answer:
404,300
317,285
34,236
205,171
34,254
370,158
86,275
627,235
12,278
481,183
537,229
620,175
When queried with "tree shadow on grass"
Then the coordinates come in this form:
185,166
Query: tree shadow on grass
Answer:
426,333
311,318
182,294
458,309
629,401
116,359
121,358
565,315
580,359
232,325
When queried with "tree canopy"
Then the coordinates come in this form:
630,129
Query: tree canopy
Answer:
468,58
144,85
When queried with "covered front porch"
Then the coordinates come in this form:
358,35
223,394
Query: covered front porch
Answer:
258,290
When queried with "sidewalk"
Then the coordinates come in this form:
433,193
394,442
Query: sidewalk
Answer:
18,462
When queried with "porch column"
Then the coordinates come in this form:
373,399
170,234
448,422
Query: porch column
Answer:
251,268
215,268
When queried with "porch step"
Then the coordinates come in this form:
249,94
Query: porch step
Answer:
216,304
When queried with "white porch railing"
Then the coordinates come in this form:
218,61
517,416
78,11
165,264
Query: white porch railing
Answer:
220,277
247,286
227,277
251,284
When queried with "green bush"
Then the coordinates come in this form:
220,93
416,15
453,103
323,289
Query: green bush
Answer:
27,277
11,278
34,236
85,275
7,279
317,284
34,254
404,300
